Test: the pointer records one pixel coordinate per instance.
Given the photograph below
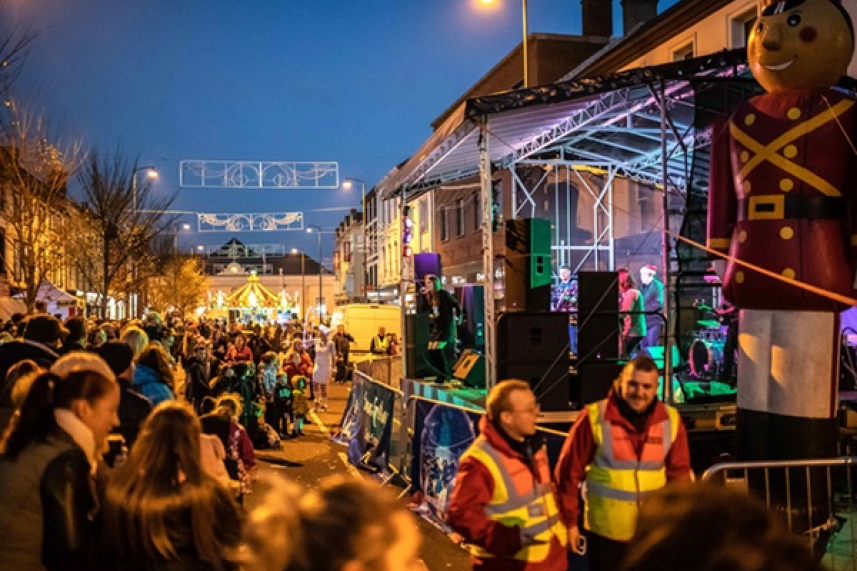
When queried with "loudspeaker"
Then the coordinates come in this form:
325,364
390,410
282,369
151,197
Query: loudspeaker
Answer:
416,348
425,264
534,347
598,316
528,264
470,369
592,381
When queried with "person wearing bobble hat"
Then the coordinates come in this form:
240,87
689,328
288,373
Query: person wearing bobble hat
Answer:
781,208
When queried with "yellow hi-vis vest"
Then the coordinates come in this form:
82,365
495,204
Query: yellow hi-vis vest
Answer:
618,480
520,500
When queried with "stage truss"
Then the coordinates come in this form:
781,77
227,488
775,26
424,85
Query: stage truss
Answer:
259,174
250,222
637,125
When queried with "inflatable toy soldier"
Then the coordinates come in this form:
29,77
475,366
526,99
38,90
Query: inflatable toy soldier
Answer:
782,198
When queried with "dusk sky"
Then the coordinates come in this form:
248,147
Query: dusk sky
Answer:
275,80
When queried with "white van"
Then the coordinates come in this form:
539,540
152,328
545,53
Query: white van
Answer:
362,321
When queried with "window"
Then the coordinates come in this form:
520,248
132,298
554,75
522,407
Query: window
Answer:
424,216
741,26
444,224
477,213
459,217
684,52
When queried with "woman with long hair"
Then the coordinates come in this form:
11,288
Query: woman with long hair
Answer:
325,361
161,509
634,321
48,461
153,377
290,532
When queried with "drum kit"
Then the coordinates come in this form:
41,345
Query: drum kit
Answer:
705,356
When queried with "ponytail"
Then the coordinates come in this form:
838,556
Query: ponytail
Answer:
34,420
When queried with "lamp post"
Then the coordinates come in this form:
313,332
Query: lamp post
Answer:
184,226
303,285
150,173
310,230
349,182
524,42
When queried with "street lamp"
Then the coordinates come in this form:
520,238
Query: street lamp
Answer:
310,230
349,182
303,283
150,173
185,226
524,43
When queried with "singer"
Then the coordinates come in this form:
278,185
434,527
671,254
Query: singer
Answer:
443,313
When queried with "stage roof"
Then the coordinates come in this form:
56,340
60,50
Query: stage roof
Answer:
606,121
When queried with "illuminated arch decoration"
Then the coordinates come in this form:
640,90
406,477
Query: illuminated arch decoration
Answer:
250,222
258,174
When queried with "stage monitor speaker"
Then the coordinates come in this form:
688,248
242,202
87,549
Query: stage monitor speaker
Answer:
470,369
592,382
598,316
534,347
528,264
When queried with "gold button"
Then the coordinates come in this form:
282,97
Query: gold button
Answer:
749,119
745,156
787,233
747,187
790,152
789,273
739,277
793,114
787,184
742,236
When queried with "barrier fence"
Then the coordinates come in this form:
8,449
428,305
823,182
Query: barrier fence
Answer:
814,498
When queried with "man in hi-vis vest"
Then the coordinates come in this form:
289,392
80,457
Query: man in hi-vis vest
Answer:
624,447
503,501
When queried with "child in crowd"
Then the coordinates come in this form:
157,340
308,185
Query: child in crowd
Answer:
300,404
268,368
283,405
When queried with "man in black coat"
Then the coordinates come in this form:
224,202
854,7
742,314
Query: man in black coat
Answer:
133,407
40,342
342,341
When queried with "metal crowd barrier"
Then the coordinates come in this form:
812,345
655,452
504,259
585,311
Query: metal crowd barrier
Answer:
387,370
814,498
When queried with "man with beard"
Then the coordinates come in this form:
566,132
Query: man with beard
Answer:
625,447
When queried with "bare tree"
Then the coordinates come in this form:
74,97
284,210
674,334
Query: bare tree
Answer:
181,284
120,219
13,51
34,168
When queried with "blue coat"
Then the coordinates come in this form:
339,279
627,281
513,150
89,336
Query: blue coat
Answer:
148,383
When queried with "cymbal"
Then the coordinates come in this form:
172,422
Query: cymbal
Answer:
709,323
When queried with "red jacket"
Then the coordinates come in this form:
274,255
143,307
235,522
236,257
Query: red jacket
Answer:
579,451
302,369
472,492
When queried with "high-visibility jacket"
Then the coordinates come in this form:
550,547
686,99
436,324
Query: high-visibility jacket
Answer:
618,479
520,499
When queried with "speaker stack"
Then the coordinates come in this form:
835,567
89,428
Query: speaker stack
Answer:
528,264
534,347
470,369
597,364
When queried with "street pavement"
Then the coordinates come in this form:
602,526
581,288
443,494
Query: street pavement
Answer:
308,459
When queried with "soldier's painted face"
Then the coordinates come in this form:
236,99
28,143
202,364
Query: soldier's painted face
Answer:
799,43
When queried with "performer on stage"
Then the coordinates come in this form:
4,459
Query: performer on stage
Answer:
652,290
564,295
443,312
727,314
781,197
633,321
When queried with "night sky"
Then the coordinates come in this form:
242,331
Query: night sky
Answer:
275,80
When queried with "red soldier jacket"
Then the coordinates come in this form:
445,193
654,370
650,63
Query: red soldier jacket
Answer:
781,197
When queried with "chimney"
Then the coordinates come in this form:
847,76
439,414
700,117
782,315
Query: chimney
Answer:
636,12
597,17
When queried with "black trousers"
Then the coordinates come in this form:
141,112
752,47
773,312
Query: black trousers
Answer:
604,554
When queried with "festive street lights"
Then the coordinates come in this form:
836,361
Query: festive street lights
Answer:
317,230
524,42
364,250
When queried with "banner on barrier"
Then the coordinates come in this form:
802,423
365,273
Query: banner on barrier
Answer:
367,425
441,435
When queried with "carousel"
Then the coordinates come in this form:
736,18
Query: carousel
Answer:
253,303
